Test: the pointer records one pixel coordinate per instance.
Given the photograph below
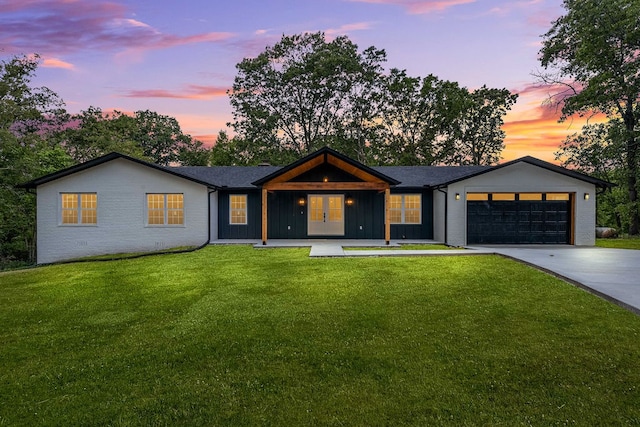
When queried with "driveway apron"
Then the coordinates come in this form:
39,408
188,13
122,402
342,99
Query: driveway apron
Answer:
614,274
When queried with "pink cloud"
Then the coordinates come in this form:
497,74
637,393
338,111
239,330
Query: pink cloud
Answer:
57,63
348,28
417,7
191,92
65,26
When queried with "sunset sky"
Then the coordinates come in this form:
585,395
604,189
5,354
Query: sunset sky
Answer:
177,57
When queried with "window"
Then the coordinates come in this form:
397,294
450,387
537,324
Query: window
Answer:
557,196
238,209
165,209
405,208
503,196
530,196
79,208
477,196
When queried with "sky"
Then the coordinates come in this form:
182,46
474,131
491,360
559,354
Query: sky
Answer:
178,57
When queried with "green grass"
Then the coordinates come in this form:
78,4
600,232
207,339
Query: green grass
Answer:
619,243
402,247
235,336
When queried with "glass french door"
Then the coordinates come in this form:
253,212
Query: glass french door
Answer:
326,215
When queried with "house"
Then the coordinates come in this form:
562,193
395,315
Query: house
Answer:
116,204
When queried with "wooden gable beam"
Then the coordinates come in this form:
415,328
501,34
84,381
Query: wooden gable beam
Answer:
299,170
351,169
320,186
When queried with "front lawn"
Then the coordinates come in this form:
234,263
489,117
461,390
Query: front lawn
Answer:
237,336
619,243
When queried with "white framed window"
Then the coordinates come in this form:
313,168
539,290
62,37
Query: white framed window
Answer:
165,209
405,208
78,208
238,209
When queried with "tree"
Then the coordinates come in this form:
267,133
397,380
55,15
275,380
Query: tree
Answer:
193,153
161,138
28,116
303,92
93,133
477,131
596,44
145,134
412,119
432,121
599,150
24,108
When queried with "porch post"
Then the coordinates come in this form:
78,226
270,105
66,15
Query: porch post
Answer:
264,216
387,219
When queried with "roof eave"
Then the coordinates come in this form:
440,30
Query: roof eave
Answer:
538,163
101,160
322,151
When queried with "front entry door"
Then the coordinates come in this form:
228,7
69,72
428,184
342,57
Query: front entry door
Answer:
326,215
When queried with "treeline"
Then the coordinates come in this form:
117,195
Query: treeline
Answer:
297,96
305,92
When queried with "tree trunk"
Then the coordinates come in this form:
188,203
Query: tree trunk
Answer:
632,170
632,166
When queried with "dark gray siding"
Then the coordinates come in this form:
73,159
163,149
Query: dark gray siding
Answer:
287,220
253,228
363,220
416,231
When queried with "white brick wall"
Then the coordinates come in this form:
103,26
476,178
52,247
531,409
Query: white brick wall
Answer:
521,178
121,186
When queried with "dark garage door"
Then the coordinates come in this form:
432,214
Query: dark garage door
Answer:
518,222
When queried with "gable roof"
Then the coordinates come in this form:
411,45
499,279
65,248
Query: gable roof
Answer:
535,162
326,154
251,177
104,159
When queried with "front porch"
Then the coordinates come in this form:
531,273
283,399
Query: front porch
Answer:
325,195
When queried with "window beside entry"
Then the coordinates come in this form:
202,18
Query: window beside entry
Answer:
165,209
79,208
405,208
238,209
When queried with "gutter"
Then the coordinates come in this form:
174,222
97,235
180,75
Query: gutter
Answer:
209,193
446,206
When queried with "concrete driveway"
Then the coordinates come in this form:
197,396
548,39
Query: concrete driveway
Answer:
614,274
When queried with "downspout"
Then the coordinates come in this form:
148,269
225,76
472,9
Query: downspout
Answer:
209,193
446,203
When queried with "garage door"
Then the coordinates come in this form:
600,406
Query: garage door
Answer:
518,221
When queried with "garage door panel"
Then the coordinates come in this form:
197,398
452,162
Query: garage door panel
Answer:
518,222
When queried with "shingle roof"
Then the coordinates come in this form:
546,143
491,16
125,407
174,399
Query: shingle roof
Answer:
243,177
104,159
430,176
228,176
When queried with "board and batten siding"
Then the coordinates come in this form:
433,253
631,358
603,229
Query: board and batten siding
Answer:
252,229
521,178
121,186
